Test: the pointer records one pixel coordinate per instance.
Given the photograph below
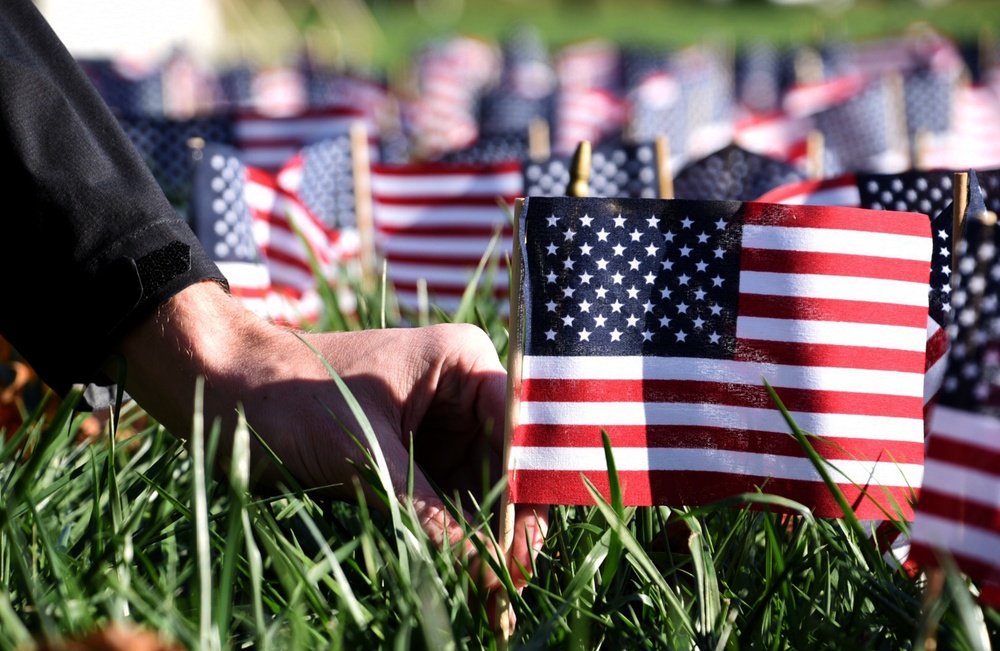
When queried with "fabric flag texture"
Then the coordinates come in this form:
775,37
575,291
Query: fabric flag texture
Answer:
322,176
267,141
434,223
165,146
958,510
928,192
733,174
261,237
658,321
615,171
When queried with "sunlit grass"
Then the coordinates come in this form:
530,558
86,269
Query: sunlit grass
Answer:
134,529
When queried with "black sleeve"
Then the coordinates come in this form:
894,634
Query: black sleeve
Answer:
91,244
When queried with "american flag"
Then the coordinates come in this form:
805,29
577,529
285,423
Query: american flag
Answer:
929,97
926,192
758,77
656,107
128,85
973,141
434,222
223,223
267,142
450,74
491,149
841,190
706,78
958,509
859,133
930,193
616,171
776,135
249,225
658,321
164,144
592,114
322,176
733,174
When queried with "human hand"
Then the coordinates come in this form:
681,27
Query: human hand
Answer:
441,389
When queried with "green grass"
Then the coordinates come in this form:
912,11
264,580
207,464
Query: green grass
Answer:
134,529
402,28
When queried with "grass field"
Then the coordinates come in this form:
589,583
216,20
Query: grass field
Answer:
134,529
403,28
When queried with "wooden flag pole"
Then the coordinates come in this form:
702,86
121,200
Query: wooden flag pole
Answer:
897,126
539,144
921,147
815,145
960,201
361,172
664,171
515,352
579,171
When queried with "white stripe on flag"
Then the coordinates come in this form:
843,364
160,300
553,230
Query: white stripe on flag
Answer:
851,288
962,483
579,459
607,414
863,381
832,332
832,240
440,276
387,214
417,186
957,537
437,247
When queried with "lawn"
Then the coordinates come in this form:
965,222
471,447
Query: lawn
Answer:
134,529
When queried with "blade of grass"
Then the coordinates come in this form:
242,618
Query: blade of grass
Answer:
381,467
615,546
639,556
874,561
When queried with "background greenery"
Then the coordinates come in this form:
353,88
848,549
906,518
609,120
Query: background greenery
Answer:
133,528
401,26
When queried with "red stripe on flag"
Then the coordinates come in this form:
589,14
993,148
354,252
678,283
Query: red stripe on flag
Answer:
966,456
937,347
811,354
442,231
826,309
694,392
458,289
834,264
713,438
850,219
963,512
697,488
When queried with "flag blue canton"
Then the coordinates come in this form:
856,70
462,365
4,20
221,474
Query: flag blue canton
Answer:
856,131
164,145
327,187
622,279
615,171
923,191
221,217
733,174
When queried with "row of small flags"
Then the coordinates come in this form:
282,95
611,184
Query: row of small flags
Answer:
881,105
655,320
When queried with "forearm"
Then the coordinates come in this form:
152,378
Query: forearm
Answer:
89,213
200,332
